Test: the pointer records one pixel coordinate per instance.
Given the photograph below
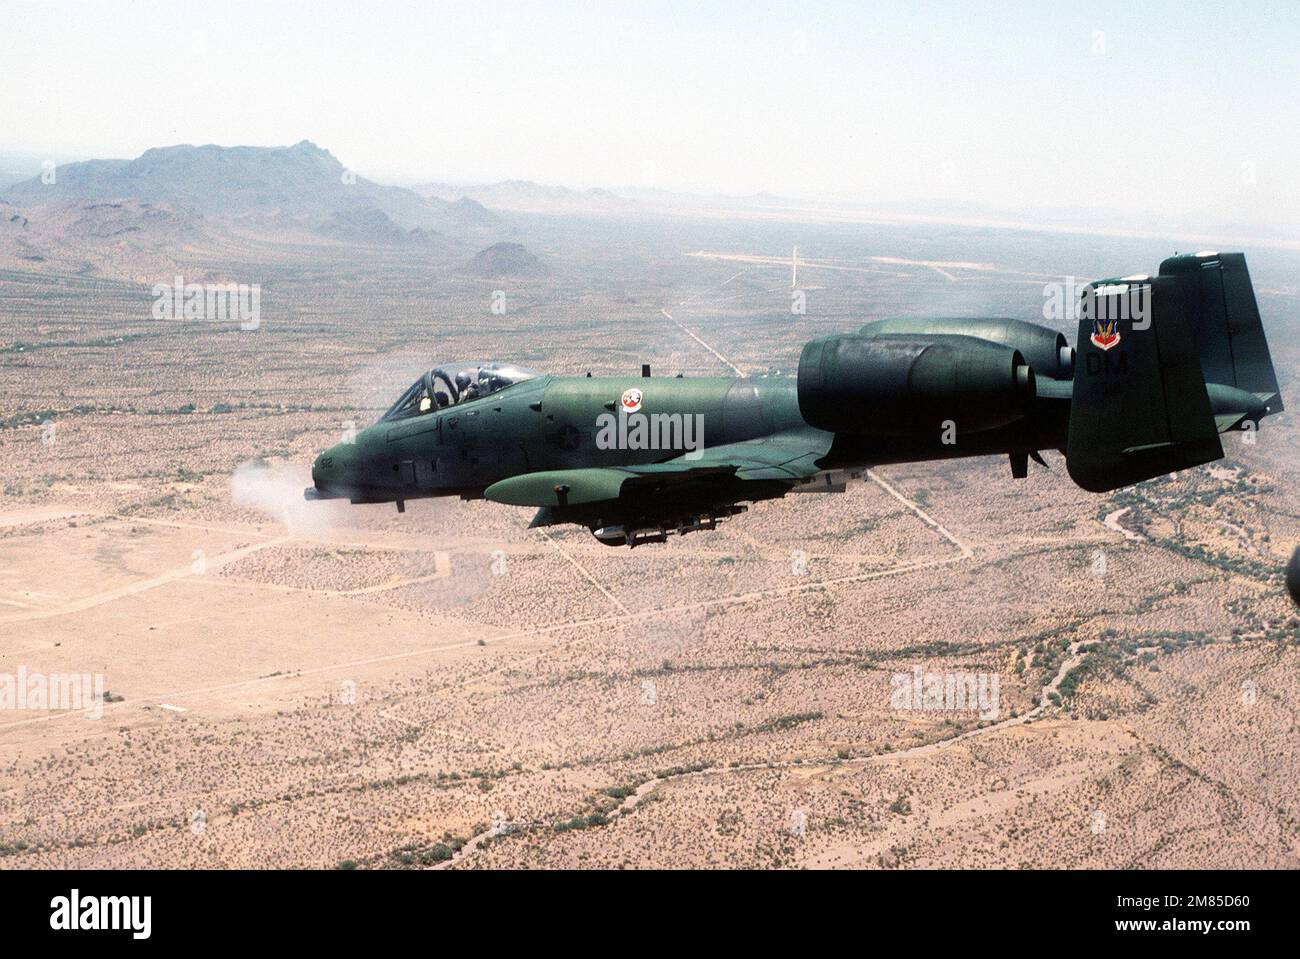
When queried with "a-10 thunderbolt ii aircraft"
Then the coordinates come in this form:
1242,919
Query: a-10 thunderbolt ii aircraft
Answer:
1162,365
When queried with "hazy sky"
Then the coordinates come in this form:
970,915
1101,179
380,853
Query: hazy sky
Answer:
1184,109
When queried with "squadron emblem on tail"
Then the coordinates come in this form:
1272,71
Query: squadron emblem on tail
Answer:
1105,333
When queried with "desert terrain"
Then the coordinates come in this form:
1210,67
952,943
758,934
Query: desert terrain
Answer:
317,685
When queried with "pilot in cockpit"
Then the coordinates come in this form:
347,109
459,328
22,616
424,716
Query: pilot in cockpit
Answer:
465,387
445,386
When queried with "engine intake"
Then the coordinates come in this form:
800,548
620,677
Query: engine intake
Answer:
897,384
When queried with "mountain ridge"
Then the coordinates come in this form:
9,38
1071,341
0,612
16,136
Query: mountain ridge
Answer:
303,181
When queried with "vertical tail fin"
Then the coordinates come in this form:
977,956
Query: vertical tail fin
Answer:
1221,309
1140,406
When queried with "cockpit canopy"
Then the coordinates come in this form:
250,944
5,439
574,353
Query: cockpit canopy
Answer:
456,383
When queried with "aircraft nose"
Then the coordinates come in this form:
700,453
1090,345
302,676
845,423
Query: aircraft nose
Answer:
323,467
329,472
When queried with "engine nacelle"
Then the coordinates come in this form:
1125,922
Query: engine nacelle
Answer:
896,384
1047,351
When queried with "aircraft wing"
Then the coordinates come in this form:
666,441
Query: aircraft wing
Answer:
789,455
786,457
691,491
